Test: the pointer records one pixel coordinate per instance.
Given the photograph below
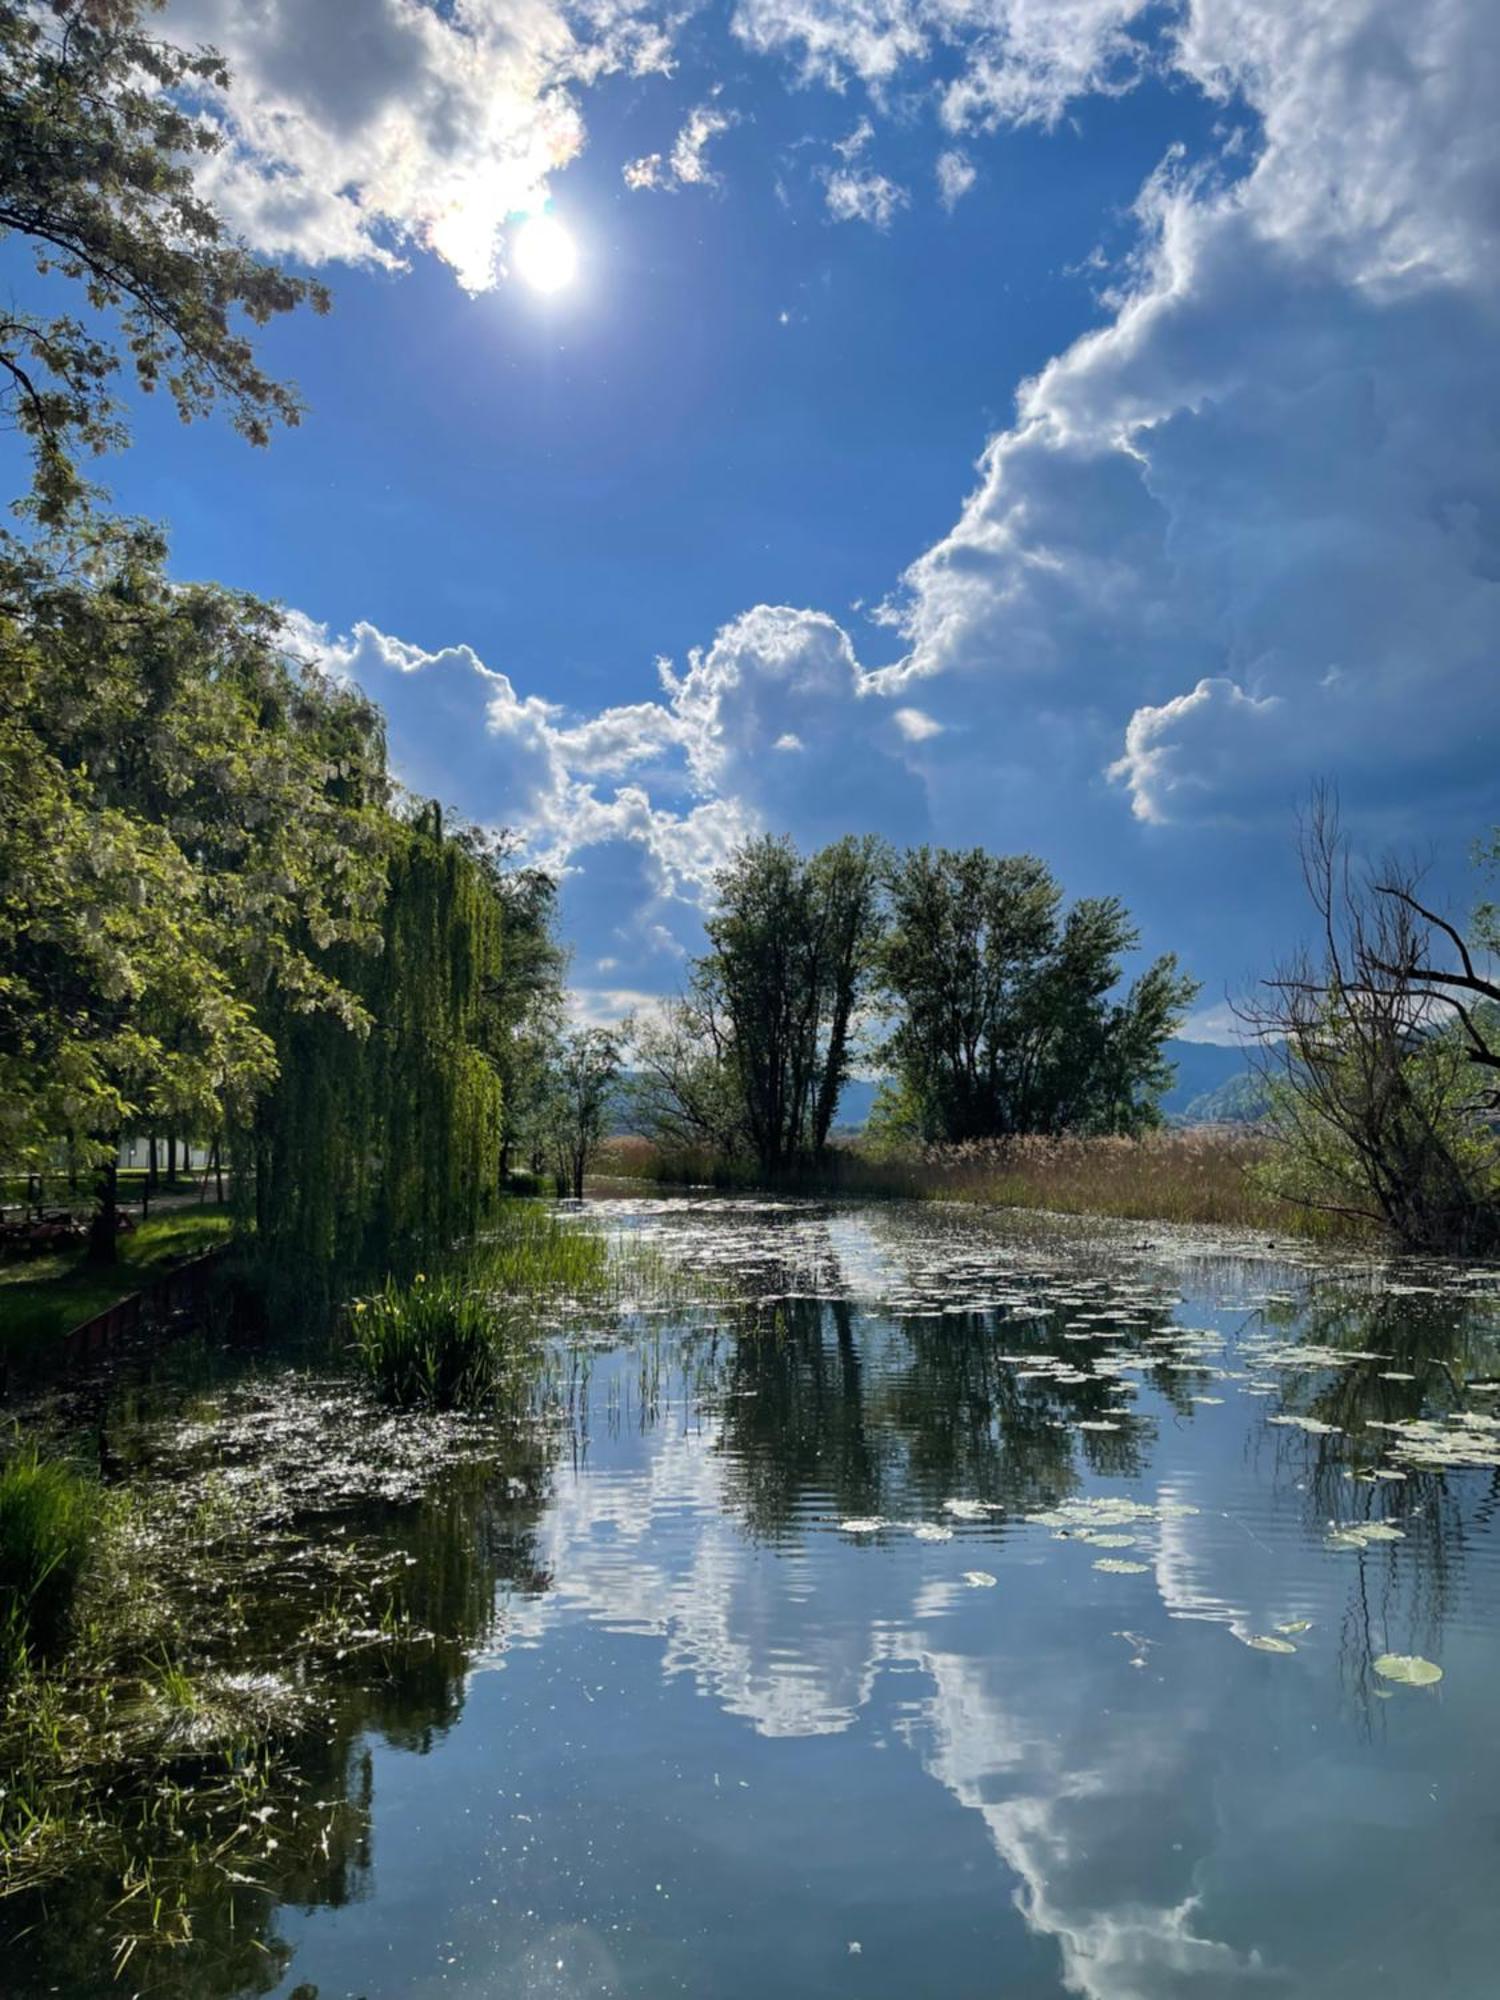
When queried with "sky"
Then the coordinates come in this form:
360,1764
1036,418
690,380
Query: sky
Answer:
1065,426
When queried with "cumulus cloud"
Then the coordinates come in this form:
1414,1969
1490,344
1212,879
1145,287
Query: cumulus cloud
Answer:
1252,523
771,725
1244,532
360,128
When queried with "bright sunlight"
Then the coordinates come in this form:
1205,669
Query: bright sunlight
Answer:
545,253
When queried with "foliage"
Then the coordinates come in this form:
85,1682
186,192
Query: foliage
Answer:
1206,1176
682,1094
427,1344
527,1007
791,951
388,1141
101,140
186,824
581,1083
47,1512
1374,1106
1004,1017
753,1058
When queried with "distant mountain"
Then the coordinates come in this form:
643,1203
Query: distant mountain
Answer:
1239,1101
1202,1068
855,1101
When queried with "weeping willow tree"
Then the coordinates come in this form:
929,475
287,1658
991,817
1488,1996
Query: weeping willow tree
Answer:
381,1141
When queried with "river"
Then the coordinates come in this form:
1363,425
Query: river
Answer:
943,1604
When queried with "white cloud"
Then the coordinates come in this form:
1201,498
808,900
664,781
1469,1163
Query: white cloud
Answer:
916,725
1020,62
638,805
1202,744
862,197
956,174
687,164
1250,527
361,128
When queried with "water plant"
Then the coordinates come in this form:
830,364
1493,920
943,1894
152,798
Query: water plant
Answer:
47,1513
433,1344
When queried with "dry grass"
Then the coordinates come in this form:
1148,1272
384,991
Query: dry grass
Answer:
1199,1175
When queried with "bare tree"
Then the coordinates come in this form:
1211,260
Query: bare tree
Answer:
580,1093
1371,1090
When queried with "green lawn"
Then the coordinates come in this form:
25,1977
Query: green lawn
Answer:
49,1296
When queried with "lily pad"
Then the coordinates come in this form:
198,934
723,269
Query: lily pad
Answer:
1410,1669
979,1579
1116,1567
1264,1643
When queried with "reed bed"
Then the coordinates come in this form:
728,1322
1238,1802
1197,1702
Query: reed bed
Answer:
1202,1174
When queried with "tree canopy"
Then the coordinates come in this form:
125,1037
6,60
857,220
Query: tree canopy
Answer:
1006,1013
102,134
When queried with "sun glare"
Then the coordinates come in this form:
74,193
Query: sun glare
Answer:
544,254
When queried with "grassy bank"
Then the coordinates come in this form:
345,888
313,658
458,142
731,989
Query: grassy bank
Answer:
48,1296
1203,1175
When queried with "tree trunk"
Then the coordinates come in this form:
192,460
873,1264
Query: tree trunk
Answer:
104,1235
153,1168
578,1162
171,1161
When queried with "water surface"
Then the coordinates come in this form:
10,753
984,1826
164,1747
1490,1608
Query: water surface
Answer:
945,1606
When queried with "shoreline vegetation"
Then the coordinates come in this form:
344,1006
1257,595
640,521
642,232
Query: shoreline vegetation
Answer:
1210,1175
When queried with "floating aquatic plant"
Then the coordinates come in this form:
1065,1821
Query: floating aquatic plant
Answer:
1410,1669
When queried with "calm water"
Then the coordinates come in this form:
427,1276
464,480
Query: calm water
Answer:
983,1611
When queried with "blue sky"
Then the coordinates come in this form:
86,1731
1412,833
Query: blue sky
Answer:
1068,425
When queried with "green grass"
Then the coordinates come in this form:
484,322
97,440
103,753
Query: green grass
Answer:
49,1296
47,1518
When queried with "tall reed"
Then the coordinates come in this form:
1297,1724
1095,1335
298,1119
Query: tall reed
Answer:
47,1517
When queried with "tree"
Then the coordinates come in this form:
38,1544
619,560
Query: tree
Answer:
792,945
526,1020
682,1092
379,1138
187,825
101,137
1004,1017
581,1090
1369,1064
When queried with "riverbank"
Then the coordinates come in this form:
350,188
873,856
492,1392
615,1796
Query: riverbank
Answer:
47,1297
1203,1175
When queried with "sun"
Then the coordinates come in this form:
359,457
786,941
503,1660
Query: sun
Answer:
544,254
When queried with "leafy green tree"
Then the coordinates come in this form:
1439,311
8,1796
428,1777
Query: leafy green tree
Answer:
792,945
101,138
187,825
526,1018
1005,1015
378,1139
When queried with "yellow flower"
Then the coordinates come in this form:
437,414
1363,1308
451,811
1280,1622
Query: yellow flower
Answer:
421,1277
